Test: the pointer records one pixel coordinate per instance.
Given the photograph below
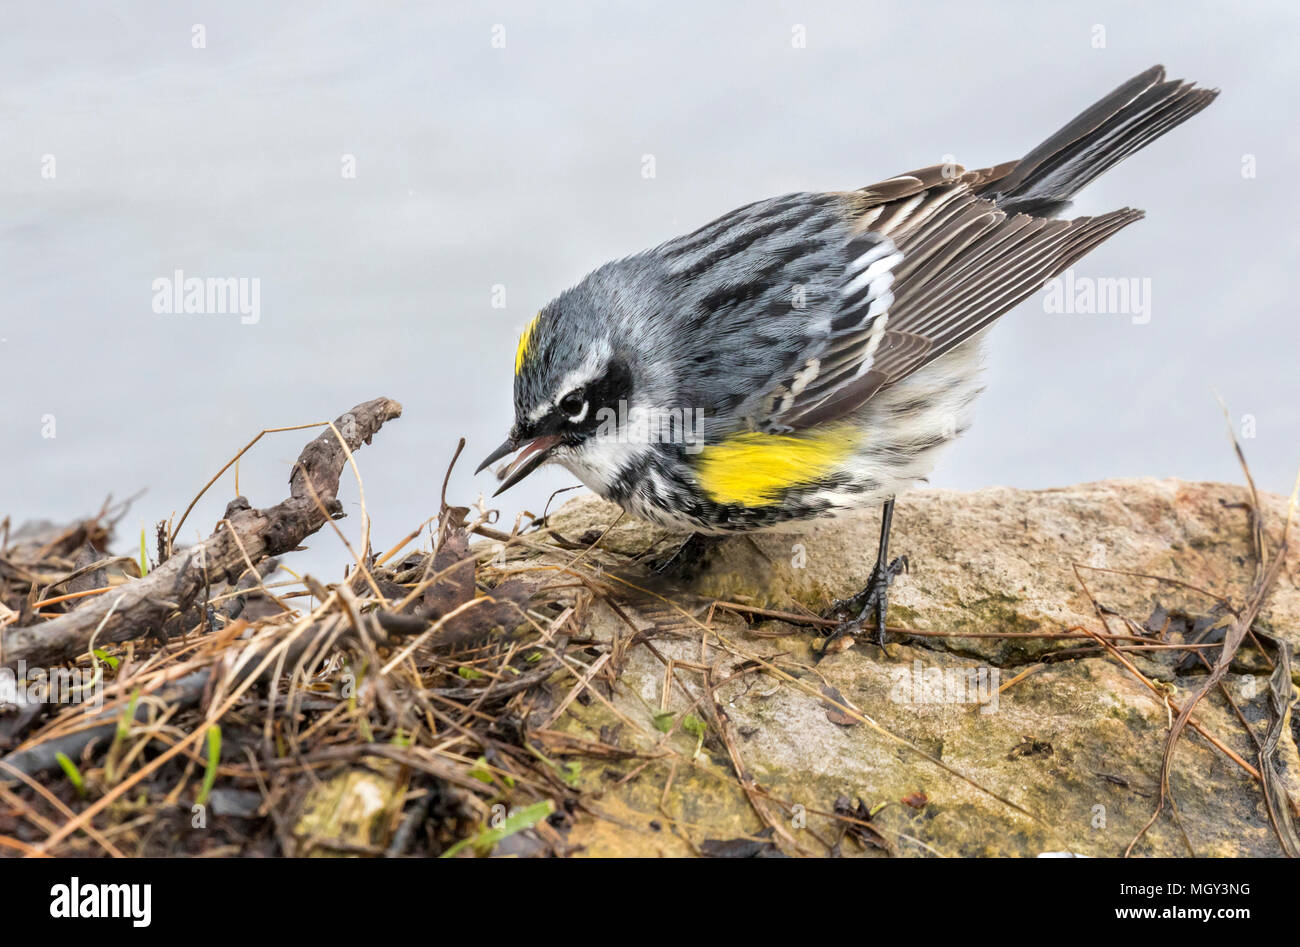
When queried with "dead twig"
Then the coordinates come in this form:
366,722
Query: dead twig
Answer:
146,604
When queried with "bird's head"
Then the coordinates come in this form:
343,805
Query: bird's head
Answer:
573,385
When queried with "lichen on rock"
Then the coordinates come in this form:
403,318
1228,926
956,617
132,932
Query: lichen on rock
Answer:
1063,755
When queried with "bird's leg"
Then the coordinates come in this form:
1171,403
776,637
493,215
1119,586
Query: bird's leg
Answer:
686,559
874,598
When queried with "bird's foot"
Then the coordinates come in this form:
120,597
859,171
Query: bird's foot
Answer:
872,600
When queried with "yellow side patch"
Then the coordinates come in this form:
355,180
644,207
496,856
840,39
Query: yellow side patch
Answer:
522,352
752,469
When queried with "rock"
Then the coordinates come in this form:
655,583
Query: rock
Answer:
235,803
1042,756
348,813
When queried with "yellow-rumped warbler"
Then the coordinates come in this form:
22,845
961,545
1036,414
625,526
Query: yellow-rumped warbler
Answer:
811,353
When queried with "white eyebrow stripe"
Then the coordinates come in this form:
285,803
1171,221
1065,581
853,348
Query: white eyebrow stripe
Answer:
583,375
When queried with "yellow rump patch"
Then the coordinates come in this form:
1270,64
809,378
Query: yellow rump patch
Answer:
752,469
522,352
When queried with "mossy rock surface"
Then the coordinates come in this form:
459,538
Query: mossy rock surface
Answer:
1068,756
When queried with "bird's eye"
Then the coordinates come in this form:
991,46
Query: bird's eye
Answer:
573,404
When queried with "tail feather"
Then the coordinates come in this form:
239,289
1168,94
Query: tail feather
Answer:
1130,118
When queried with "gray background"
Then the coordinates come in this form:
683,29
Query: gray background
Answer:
522,166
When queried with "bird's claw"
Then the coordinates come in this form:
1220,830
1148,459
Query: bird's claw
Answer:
873,599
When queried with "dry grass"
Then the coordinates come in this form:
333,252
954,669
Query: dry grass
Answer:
410,708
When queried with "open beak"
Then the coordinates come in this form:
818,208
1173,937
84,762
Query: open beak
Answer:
529,459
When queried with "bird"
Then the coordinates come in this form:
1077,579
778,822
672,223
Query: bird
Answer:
812,353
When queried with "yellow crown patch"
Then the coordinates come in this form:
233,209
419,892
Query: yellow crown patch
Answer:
522,352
